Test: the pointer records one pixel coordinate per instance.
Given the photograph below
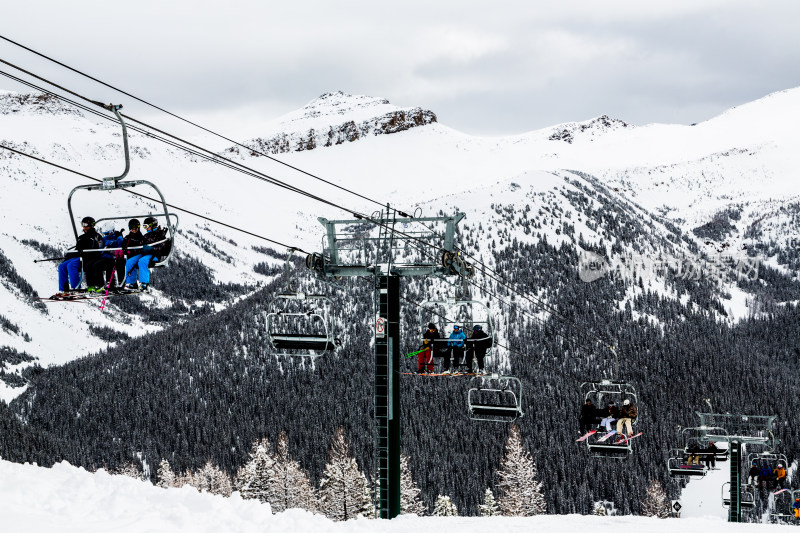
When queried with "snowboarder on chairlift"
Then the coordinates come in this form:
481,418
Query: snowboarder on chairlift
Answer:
154,248
796,507
425,358
455,348
780,476
478,345
710,457
69,270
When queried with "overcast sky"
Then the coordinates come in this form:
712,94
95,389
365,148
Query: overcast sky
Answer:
488,68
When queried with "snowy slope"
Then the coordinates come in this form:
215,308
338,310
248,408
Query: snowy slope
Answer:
658,173
69,499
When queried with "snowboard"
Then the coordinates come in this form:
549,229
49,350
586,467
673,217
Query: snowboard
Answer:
584,437
623,439
606,436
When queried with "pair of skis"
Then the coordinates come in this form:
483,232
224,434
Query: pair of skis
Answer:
622,438
78,296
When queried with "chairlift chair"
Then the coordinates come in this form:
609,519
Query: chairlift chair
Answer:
678,465
465,313
495,398
301,325
601,392
747,499
769,457
118,183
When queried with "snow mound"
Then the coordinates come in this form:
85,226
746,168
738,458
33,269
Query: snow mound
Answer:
69,499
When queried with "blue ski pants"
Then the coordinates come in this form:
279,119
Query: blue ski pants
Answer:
140,263
69,270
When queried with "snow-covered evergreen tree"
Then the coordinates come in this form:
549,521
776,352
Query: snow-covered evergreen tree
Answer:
521,493
212,479
489,506
444,507
599,509
410,497
166,477
130,470
253,479
343,490
289,486
655,501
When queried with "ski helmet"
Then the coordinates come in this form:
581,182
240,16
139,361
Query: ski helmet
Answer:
477,327
626,402
431,326
133,223
87,222
150,222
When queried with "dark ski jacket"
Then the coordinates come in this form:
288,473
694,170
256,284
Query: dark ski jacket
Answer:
429,338
753,471
88,240
765,471
628,411
588,412
155,235
480,342
610,412
131,241
796,504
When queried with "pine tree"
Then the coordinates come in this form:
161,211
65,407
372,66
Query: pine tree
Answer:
254,478
344,491
655,501
444,507
212,479
410,498
489,506
289,486
599,509
166,477
130,470
521,493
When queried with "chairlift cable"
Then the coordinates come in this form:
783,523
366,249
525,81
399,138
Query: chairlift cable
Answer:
177,208
293,167
535,301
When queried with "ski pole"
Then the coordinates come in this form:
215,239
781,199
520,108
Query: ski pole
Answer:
49,259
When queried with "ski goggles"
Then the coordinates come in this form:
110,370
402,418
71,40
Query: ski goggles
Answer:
151,226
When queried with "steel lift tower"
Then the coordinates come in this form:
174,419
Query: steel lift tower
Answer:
388,248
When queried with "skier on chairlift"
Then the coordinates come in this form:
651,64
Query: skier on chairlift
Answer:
69,270
796,507
752,475
455,348
610,415
425,358
588,418
106,263
627,414
479,344
154,247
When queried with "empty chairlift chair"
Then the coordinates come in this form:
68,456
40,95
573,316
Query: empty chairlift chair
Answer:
301,325
495,398
748,498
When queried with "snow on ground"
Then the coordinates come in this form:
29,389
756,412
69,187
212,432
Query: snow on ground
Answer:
67,499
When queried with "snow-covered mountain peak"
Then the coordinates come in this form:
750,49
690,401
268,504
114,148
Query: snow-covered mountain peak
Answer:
13,103
573,131
335,118
341,103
